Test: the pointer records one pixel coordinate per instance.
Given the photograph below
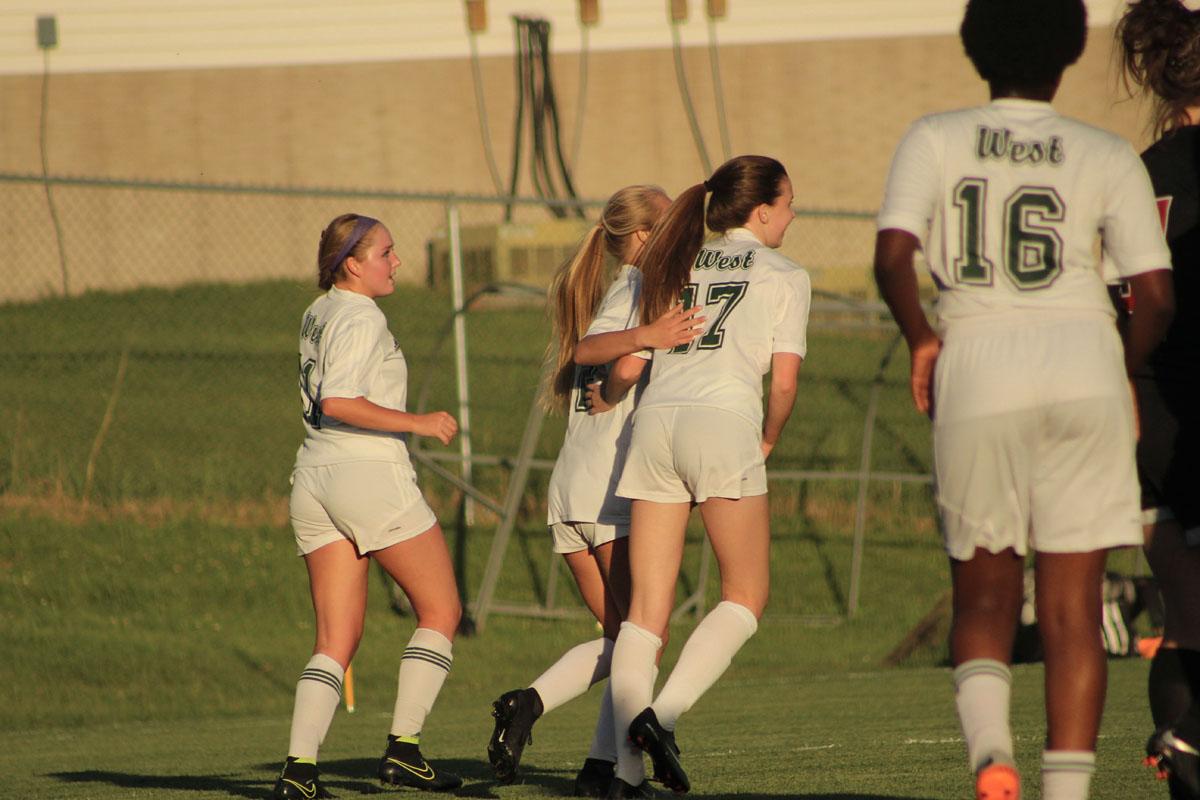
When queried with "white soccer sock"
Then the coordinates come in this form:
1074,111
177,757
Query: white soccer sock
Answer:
982,689
1067,774
604,744
705,657
632,681
577,671
317,694
423,669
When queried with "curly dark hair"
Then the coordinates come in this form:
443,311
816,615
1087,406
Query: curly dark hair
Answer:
1159,44
1021,45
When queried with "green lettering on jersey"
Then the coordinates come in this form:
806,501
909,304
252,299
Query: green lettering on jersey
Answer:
728,294
1031,246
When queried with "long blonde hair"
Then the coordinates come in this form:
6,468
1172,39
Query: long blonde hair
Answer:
580,283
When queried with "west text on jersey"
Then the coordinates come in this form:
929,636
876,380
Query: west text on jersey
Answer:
713,259
311,330
999,143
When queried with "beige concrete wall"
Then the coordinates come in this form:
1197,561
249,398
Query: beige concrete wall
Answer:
831,111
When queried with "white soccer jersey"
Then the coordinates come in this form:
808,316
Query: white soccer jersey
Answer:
756,302
1007,200
347,351
583,484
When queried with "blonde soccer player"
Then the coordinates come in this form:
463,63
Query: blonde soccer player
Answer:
355,498
1025,377
594,322
701,437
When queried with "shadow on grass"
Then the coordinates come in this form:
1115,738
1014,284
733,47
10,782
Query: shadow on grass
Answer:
838,796
351,775
256,789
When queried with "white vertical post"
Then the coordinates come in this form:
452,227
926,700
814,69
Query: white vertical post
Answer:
460,354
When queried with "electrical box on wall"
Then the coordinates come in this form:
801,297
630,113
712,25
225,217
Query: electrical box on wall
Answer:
678,10
47,31
589,12
476,16
716,9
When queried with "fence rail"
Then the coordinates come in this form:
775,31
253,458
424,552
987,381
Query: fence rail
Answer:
116,238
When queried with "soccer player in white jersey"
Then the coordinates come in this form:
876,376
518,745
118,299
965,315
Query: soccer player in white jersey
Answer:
354,498
588,522
700,437
1025,378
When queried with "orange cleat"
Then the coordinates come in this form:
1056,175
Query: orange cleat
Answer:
997,780
1148,646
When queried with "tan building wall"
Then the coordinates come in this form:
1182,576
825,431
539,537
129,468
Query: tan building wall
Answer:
832,111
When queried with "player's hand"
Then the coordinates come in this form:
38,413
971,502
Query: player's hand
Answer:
924,360
594,399
766,447
438,425
677,326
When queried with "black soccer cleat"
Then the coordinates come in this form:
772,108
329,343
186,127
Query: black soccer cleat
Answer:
299,781
403,765
659,744
594,778
515,713
620,789
1173,758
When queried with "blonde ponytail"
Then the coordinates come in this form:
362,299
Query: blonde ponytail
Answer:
579,285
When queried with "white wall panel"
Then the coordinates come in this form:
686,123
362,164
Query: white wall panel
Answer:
121,35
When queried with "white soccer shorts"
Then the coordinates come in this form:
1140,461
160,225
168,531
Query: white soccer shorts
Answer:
571,537
374,504
1034,439
691,453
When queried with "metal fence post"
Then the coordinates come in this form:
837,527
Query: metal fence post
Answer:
864,477
460,355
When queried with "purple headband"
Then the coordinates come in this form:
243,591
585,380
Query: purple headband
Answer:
361,227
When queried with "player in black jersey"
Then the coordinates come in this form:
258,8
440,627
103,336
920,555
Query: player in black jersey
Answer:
1160,48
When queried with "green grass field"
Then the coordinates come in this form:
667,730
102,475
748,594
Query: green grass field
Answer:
153,618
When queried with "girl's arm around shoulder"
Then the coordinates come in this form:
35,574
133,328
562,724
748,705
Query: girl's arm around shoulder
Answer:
362,413
677,326
623,376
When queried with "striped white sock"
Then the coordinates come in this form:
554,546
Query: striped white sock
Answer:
982,690
632,681
423,669
317,694
1067,774
704,658
574,673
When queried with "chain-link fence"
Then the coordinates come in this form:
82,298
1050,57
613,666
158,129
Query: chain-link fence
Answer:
149,345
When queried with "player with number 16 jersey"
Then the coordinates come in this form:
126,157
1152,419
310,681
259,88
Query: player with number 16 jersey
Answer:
1025,379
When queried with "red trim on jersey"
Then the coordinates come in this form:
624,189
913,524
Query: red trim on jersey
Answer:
1164,210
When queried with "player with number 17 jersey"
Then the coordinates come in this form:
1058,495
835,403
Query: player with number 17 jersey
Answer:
757,302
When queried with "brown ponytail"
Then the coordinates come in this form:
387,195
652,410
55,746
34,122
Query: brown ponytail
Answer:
667,258
738,186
